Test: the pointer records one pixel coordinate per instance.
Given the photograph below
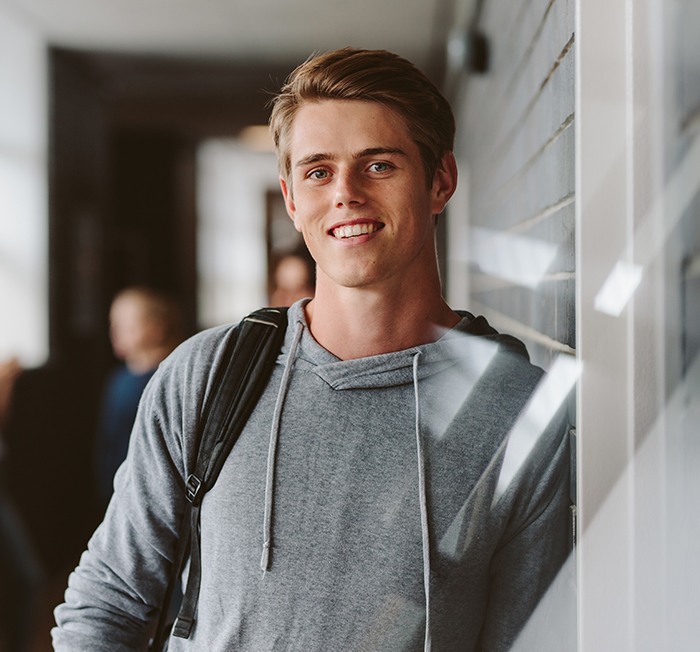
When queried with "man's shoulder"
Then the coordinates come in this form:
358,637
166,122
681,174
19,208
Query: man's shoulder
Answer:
201,354
197,356
204,343
478,326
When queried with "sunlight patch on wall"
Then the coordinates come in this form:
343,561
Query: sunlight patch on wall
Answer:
231,233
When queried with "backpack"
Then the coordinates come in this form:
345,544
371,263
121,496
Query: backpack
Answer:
250,352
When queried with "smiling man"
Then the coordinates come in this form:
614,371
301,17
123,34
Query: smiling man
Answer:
357,191
368,476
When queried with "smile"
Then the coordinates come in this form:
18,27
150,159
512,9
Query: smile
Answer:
353,230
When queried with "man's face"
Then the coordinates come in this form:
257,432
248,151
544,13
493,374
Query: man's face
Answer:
132,330
357,193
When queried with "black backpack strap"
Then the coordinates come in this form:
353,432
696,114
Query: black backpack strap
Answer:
251,350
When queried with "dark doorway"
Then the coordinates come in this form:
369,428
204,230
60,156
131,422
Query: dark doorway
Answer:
124,132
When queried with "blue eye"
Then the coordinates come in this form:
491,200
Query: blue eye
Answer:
380,167
319,174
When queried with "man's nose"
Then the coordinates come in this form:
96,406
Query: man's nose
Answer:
348,189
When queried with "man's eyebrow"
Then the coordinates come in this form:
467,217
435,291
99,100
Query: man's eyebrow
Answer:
370,151
313,158
375,151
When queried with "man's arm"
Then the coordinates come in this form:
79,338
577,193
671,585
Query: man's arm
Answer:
535,548
114,595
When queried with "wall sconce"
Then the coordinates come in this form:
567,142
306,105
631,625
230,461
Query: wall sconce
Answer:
468,51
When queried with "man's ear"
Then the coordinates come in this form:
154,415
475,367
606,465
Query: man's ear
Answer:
444,182
289,200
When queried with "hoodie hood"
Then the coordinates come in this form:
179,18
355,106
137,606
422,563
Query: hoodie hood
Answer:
468,345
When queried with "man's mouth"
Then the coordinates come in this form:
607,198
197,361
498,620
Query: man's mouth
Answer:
353,230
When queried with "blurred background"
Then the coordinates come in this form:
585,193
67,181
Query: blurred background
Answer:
133,151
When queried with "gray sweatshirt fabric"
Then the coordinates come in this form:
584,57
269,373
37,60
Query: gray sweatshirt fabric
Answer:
370,483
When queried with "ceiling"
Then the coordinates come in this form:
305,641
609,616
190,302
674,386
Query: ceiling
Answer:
281,31
209,66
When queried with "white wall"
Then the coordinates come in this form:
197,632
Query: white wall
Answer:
633,139
23,191
639,463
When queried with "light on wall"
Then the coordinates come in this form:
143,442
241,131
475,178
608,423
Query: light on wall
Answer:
257,138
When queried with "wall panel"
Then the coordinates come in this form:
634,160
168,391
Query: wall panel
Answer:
516,145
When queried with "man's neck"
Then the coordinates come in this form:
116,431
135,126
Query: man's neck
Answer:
356,323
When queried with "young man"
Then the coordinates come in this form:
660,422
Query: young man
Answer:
368,476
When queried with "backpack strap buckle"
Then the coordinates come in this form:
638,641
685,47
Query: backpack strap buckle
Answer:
192,487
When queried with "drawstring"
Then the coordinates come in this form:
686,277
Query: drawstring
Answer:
270,477
425,532
272,450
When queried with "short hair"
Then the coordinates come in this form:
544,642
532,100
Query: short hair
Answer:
374,76
157,306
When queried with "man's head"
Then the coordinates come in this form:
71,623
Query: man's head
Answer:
144,323
373,76
293,278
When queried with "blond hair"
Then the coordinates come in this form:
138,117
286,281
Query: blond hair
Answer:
373,76
158,307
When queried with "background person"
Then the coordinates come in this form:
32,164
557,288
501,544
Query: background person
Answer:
293,278
21,574
145,325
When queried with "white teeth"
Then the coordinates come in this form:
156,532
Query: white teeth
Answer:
354,229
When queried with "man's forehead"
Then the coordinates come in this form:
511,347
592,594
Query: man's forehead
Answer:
326,129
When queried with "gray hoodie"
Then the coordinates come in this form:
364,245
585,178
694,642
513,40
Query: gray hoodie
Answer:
371,489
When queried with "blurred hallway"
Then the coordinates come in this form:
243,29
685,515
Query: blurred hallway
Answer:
576,227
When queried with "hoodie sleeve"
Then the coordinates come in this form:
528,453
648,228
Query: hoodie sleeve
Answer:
114,594
535,547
